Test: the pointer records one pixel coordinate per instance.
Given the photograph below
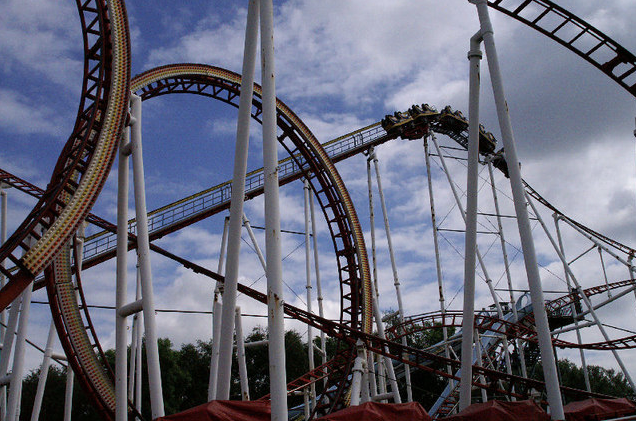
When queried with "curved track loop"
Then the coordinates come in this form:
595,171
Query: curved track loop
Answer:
310,157
85,161
332,196
576,35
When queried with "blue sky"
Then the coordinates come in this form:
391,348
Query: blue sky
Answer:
340,66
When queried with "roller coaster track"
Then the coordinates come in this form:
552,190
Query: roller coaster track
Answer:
524,329
86,159
416,358
330,192
576,35
80,172
338,149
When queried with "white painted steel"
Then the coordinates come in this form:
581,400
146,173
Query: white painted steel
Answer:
468,318
502,239
438,263
121,340
275,301
321,313
217,308
15,389
143,257
585,298
586,375
5,354
236,205
257,249
68,394
396,280
44,372
240,356
310,331
525,231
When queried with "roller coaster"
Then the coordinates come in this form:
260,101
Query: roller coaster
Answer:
48,249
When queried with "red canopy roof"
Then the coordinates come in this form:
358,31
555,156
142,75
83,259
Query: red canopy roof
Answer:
502,411
598,409
224,411
373,411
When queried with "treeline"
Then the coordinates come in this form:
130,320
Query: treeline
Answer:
185,376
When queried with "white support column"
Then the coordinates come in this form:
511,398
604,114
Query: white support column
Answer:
585,298
15,388
388,363
310,331
44,372
135,370
480,361
600,253
468,318
375,295
121,340
68,393
586,375
482,264
236,205
513,302
525,231
5,354
438,263
396,280
217,308
321,313
240,356
143,255
275,301
358,374
257,249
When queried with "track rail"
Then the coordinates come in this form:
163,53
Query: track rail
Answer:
85,161
524,329
576,35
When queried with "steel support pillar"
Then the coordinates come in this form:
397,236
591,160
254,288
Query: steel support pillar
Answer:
275,301
502,239
236,205
438,263
468,317
586,375
525,231
15,388
585,298
44,372
121,341
321,313
217,308
143,256
240,356
396,280
68,393
310,331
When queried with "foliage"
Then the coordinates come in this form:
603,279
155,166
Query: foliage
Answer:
602,380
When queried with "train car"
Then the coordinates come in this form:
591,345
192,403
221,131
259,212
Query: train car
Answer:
487,141
454,120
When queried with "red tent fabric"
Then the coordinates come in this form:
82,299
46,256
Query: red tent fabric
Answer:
373,411
598,409
502,411
225,411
